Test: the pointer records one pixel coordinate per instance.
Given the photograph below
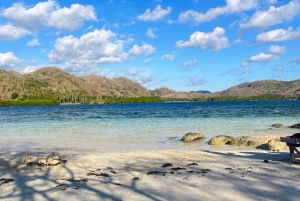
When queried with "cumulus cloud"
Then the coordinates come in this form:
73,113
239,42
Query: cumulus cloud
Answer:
212,41
9,32
194,81
261,20
231,7
94,48
9,61
169,57
157,14
296,60
150,33
97,47
190,63
144,50
33,42
260,58
49,14
274,49
30,69
278,35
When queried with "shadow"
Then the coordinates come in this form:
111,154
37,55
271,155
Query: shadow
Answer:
198,175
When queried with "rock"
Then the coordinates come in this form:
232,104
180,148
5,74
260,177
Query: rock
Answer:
190,137
220,140
295,126
277,126
277,145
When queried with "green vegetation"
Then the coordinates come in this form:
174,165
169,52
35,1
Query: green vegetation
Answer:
28,102
265,97
110,100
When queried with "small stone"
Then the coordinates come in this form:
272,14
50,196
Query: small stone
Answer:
277,126
266,161
167,165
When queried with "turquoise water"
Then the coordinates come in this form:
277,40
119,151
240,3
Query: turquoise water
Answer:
140,125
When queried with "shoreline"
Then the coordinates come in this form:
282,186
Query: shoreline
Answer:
220,173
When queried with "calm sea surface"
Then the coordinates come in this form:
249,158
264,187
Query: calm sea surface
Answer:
140,126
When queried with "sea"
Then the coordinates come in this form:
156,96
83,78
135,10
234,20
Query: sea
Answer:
132,127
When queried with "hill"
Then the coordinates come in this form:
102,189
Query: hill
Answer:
54,83
263,87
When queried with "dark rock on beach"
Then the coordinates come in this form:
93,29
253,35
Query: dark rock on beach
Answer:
295,126
221,140
190,137
277,126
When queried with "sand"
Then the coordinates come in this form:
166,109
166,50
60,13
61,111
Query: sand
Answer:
215,174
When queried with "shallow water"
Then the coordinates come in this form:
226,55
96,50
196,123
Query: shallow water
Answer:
140,126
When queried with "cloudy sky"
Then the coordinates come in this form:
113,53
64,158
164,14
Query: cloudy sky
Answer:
183,45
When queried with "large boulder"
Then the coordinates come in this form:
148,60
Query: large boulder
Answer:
190,137
277,145
221,140
251,141
295,126
277,126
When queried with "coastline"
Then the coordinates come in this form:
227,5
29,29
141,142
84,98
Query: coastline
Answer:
221,173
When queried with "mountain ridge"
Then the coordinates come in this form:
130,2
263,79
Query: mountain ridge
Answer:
55,83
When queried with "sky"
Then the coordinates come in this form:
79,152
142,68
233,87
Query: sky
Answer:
183,45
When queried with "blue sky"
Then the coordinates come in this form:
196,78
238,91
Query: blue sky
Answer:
183,45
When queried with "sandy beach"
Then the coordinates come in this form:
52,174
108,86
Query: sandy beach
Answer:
220,173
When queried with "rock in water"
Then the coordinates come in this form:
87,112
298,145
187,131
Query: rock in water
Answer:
294,126
277,126
220,140
190,137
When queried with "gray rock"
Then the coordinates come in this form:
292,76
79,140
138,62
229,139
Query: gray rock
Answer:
277,145
277,126
295,126
221,140
190,137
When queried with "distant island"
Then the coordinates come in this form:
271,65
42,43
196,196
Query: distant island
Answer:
53,86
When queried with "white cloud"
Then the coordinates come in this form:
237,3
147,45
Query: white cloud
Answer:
9,61
97,47
33,42
296,60
190,63
30,69
212,41
231,7
261,20
155,15
150,33
278,35
129,23
145,49
148,60
11,33
270,2
194,81
260,58
49,14
169,57
274,49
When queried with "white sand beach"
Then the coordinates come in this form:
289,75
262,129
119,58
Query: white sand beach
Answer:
218,174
